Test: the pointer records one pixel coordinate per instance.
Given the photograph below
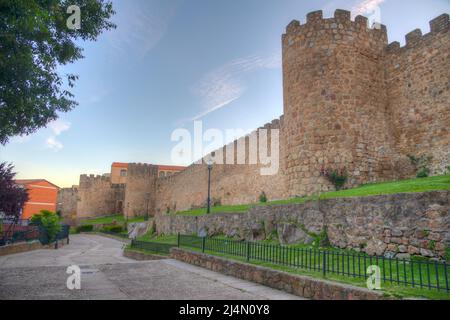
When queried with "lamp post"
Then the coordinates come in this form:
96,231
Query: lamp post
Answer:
209,162
148,200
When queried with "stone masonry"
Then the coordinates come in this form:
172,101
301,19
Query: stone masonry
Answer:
391,225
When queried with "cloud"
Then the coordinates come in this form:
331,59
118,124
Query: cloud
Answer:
140,26
57,127
53,144
366,6
222,86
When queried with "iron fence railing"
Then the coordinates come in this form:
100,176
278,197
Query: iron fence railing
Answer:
413,273
425,274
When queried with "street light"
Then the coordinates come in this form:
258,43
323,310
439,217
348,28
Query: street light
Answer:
148,200
209,162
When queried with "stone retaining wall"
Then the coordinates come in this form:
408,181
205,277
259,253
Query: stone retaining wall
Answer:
302,286
140,256
28,246
391,225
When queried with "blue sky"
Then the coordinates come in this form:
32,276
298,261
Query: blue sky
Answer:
172,61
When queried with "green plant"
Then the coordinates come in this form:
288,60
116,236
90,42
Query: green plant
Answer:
85,228
263,197
113,229
423,173
447,253
337,177
216,202
432,245
421,165
49,222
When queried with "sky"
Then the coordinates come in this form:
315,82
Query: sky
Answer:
171,62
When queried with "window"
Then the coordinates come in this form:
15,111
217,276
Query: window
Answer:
123,173
162,173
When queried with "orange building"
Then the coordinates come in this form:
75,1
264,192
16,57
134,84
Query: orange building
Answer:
42,196
165,171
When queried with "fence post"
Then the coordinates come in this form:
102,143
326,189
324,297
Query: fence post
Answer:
324,263
178,239
248,251
203,244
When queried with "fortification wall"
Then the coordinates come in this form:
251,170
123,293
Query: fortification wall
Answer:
140,190
66,204
335,102
230,183
392,225
98,197
418,88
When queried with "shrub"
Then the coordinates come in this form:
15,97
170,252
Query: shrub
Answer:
48,222
113,229
337,177
421,165
216,202
263,197
423,173
85,228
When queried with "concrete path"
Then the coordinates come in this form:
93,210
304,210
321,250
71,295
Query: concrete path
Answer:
106,274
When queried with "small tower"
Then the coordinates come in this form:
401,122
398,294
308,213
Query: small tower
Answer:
334,101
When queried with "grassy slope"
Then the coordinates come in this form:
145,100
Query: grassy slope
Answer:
403,186
107,220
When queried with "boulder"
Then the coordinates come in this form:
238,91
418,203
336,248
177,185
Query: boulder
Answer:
289,233
138,229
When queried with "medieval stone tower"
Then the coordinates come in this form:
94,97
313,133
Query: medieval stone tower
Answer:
339,100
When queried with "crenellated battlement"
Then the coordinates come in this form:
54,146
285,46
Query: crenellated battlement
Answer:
340,27
142,170
93,179
438,25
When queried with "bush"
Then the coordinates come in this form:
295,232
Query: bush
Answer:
85,228
113,229
263,197
48,222
423,173
421,165
337,177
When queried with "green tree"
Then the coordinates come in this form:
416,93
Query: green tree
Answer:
49,222
34,40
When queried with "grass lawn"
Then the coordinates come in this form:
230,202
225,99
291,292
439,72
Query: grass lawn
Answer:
119,218
374,189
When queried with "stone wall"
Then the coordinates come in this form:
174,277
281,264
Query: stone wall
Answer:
418,87
66,204
140,190
230,183
302,286
405,224
98,197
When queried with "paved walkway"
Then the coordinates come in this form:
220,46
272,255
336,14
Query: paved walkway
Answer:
106,274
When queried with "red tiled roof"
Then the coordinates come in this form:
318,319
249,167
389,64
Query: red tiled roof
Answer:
25,182
171,168
120,165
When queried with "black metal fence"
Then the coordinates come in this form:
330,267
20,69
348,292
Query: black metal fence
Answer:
414,273
23,232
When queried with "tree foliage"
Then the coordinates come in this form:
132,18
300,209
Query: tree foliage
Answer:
49,222
12,196
34,41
